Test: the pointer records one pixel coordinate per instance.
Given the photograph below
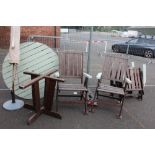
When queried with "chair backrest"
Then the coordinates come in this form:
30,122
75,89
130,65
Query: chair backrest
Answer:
114,68
71,64
135,75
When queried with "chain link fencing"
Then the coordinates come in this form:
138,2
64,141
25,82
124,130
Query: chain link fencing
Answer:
79,41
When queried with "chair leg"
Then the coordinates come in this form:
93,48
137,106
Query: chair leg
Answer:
82,93
57,100
85,103
92,106
140,95
97,95
122,103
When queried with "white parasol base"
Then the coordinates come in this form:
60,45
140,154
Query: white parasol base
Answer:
8,105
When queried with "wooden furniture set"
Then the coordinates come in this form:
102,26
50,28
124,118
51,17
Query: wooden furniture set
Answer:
115,70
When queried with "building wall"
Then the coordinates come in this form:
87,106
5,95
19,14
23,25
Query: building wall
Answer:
26,31
4,36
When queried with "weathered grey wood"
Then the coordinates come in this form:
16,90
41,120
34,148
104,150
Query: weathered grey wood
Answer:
71,64
114,69
139,79
128,76
111,89
73,87
134,75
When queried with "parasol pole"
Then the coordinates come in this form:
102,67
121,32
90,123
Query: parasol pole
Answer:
14,103
13,83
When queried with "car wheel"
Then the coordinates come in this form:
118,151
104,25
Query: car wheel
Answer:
148,54
116,49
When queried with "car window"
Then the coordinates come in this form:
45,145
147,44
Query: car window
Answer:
134,41
141,41
151,42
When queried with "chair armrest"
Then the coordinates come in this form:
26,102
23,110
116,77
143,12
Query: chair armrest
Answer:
56,79
31,73
87,75
98,76
56,74
127,80
37,79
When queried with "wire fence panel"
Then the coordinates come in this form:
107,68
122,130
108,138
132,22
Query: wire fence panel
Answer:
60,43
51,41
73,45
101,46
74,41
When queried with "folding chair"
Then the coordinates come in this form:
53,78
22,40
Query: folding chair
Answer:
114,70
70,68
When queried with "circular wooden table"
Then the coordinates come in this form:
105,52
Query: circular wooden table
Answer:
34,57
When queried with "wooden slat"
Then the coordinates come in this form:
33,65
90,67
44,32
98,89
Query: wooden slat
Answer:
138,78
71,64
76,64
71,67
111,89
66,64
118,76
62,64
114,68
124,66
134,76
80,60
128,76
109,68
113,71
106,67
76,87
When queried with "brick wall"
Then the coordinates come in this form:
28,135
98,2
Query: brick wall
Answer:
26,31
4,36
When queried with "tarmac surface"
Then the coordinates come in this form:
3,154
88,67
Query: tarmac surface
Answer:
136,114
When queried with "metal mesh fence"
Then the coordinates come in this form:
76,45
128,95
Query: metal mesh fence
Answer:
60,43
79,41
102,45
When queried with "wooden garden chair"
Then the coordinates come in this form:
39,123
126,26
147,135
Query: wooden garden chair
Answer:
114,69
70,68
136,76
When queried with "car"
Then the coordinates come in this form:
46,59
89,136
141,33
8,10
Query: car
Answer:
139,46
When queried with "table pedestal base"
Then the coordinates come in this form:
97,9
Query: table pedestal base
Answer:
36,115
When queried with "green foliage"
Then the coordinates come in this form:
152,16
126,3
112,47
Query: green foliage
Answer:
110,28
98,28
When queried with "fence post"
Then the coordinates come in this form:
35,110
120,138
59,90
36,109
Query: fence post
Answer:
144,74
89,52
127,51
105,49
87,43
132,64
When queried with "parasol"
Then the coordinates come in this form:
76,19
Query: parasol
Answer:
13,58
